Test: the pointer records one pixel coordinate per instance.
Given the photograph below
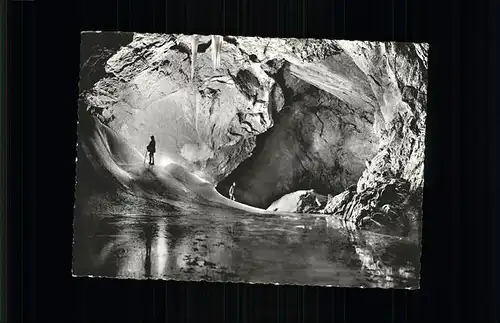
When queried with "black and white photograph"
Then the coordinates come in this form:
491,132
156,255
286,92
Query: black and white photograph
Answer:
253,160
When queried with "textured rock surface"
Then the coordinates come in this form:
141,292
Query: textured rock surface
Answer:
95,50
376,206
398,73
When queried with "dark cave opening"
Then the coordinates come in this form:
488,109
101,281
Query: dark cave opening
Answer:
309,172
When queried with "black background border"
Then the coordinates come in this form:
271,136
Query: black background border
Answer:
461,190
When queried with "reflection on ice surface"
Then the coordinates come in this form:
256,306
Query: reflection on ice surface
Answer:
220,244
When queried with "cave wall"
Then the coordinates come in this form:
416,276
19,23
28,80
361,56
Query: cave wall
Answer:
398,76
95,50
390,190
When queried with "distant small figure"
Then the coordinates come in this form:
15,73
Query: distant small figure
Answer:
231,191
152,150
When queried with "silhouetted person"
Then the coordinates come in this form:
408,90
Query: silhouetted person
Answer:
152,150
231,191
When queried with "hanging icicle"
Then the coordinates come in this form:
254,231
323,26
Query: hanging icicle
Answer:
194,54
216,49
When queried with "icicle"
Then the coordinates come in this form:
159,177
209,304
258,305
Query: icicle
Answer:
194,54
216,49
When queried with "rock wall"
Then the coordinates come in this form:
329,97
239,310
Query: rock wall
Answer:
95,50
390,189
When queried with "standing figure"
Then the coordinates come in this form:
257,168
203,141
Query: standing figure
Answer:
152,150
231,191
